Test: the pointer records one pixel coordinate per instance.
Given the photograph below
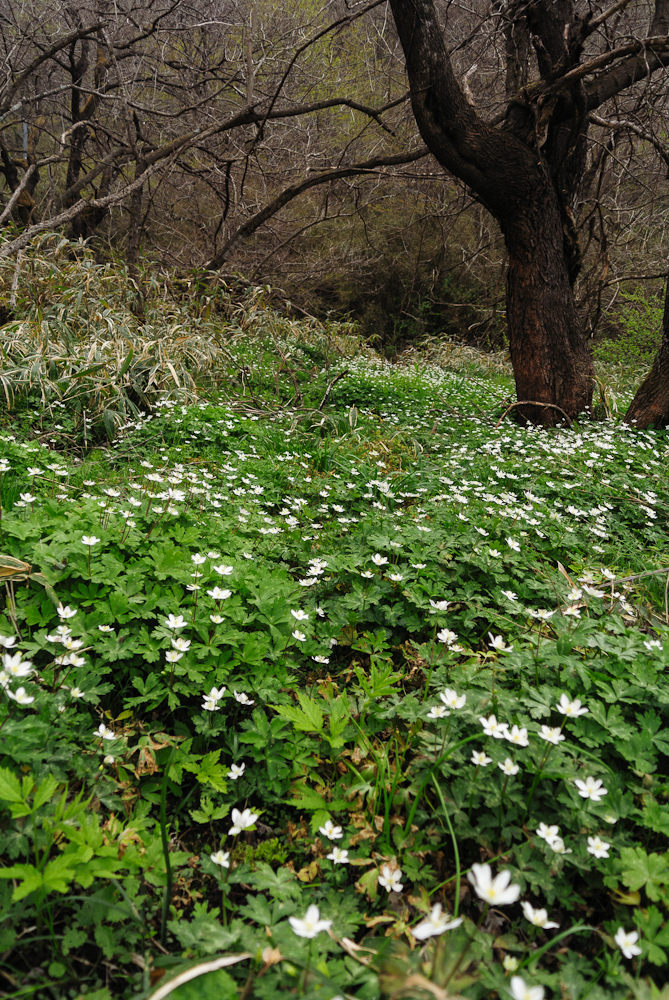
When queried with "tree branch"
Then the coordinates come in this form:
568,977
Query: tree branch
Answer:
250,226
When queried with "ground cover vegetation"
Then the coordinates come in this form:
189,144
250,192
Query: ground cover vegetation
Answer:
321,677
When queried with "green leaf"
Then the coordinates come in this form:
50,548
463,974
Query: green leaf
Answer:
641,870
10,786
306,719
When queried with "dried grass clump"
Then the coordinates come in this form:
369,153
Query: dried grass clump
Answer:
79,341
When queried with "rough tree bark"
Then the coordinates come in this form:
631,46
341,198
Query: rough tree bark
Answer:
526,168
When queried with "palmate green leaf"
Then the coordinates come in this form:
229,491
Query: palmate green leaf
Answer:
10,786
654,933
308,718
656,817
647,871
208,771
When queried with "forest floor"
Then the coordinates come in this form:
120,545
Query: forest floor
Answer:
319,680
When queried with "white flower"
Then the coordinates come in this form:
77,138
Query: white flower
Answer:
221,858
496,891
216,619
574,594
513,544
418,565
627,942
173,656
496,642
438,712
331,831
300,636
557,845
321,659
572,709
591,788
479,758
210,704
15,666
391,880
20,696
379,560
494,553
517,736
76,692
108,759
218,594
89,540
653,644
311,925
452,698
183,645
300,616
447,636
242,820
7,641
509,767
243,698
216,693
223,570
542,614
395,577
65,612
510,595
610,818
548,833
593,592
367,575
537,917
338,856
598,847
521,991
510,963
572,611
551,735
236,771
491,727
175,621
105,628
105,733
198,560
435,924
439,605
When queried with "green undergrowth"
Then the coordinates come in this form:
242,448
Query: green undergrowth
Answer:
268,652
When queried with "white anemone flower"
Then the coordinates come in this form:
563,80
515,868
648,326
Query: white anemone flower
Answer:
452,699
598,847
242,820
221,858
572,709
491,727
437,923
391,880
537,917
496,891
521,991
627,942
591,788
311,925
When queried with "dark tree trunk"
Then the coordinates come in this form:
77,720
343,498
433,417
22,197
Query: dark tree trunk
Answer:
525,174
650,406
550,356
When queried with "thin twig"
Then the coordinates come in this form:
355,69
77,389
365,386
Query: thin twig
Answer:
666,600
529,402
331,386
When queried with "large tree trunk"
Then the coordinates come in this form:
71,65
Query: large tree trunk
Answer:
525,174
650,406
549,353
